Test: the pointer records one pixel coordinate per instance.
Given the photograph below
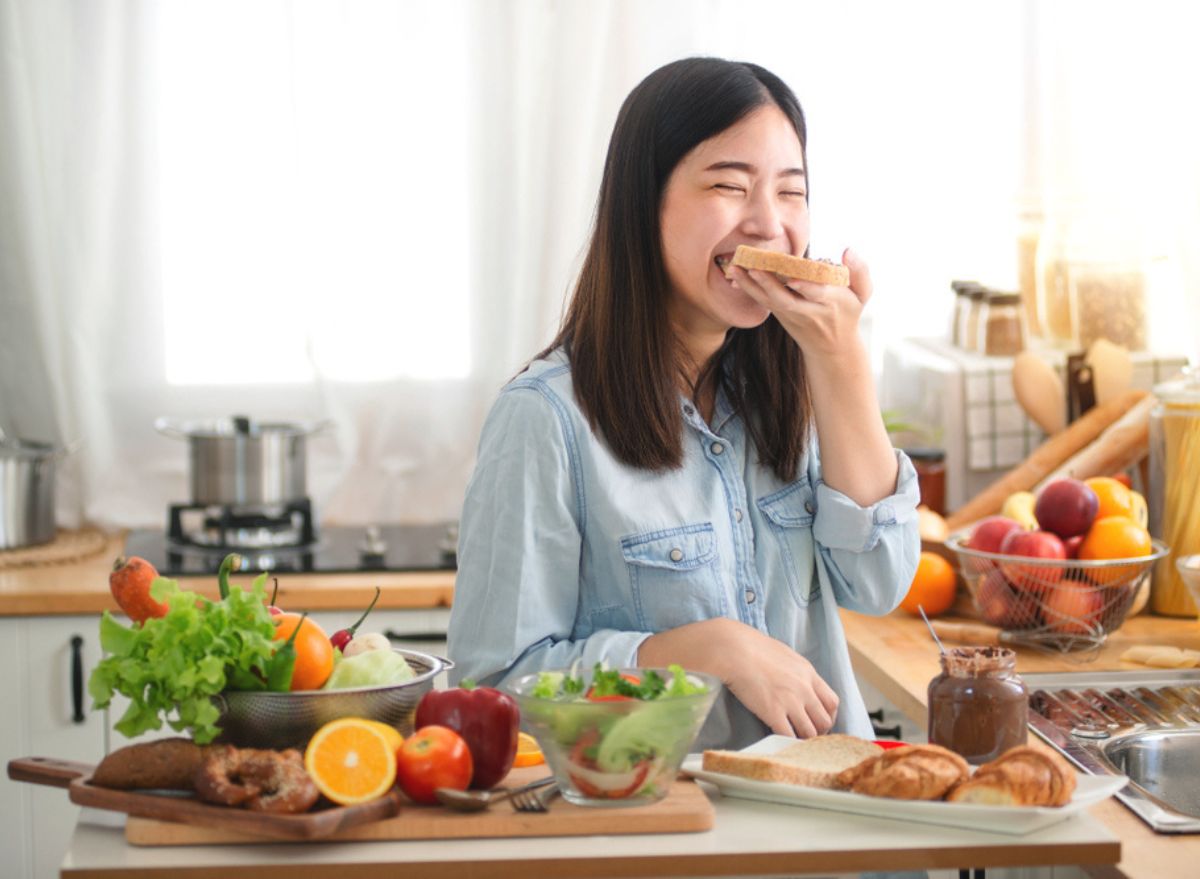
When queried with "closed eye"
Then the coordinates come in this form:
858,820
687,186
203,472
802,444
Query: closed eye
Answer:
794,193
729,187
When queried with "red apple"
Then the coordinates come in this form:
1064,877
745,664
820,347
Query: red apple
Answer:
990,533
1071,544
1034,545
1066,507
1002,605
1073,609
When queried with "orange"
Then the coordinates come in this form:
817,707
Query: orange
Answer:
350,760
528,752
1115,498
395,740
1114,537
314,653
932,588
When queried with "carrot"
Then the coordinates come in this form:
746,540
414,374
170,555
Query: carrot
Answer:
1045,459
129,583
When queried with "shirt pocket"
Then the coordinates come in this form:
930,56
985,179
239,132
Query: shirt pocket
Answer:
790,512
675,576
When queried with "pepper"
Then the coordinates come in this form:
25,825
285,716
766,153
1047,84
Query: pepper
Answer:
488,721
342,637
230,563
283,662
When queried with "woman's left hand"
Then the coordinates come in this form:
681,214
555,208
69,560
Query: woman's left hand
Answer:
823,319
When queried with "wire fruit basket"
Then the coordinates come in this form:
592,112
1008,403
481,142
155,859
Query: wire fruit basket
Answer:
1053,605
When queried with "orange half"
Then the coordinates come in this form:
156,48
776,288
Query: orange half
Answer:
351,760
528,752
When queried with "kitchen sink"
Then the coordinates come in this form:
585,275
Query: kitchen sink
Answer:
1143,725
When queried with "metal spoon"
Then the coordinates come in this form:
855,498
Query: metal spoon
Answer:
478,800
933,634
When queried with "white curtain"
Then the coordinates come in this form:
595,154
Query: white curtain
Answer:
372,211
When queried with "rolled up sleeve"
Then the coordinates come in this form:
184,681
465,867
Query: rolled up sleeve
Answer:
520,539
869,552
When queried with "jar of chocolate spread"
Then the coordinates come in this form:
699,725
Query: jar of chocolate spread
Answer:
978,705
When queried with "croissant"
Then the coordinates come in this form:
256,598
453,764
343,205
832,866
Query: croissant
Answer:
1021,776
914,772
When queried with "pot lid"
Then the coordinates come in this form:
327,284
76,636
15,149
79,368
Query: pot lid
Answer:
236,425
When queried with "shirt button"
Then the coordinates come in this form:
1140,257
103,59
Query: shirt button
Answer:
808,507
750,596
717,448
737,514
677,555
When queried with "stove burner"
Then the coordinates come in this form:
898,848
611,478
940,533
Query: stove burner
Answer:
223,527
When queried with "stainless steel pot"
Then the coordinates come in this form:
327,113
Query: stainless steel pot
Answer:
26,492
240,462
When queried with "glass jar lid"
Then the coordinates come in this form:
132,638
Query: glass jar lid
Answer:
1180,391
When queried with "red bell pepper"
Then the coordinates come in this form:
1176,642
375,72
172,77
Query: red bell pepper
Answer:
488,721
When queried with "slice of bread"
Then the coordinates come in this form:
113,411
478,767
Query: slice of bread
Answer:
817,271
813,762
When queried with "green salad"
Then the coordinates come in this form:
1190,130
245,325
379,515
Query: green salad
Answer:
623,734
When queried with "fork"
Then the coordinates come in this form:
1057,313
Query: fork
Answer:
534,800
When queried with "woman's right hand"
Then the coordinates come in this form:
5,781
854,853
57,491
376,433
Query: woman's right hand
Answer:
773,681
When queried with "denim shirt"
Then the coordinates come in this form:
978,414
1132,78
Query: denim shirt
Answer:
566,553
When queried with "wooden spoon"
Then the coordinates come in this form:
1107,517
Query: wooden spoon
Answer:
1039,392
1112,369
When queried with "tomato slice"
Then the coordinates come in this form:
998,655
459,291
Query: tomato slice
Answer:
614,697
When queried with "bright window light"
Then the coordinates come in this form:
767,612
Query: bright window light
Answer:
308,155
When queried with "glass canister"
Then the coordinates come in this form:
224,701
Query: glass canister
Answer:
1056,309
961,306
1029,234
1110,300
968,335
978,705
1002,325
1174,500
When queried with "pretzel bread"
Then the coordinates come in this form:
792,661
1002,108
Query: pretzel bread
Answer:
817,271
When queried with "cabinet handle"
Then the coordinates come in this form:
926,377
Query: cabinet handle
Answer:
413,637
77,715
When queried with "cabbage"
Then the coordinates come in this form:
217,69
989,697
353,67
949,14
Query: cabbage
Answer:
370,669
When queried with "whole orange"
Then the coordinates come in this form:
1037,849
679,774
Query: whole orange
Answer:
932,588
1115,498
314,652
1114,537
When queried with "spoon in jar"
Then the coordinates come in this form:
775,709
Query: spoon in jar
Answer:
932,633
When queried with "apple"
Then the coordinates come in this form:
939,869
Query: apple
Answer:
1066,507
1072,546
1001,605
989,534
1073,609
1034,545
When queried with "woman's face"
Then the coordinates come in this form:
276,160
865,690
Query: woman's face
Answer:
746,185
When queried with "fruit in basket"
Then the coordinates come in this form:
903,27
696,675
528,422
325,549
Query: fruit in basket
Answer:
1115,537
1001,605
1018,506
933,586
1116,499
1141,514
1066,507
1072,544
989,534
1072,608
1033,545
314,653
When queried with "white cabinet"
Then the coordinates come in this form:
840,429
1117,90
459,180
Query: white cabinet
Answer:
45,669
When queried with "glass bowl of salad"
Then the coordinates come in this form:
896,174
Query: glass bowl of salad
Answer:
615,737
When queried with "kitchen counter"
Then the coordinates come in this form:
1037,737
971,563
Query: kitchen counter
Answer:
896,656
82,588
747,838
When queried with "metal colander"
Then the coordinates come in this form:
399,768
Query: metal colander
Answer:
288,720
1054,605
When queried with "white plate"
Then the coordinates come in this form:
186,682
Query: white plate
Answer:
1015,820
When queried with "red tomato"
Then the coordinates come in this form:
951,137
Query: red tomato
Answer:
615,697
433,757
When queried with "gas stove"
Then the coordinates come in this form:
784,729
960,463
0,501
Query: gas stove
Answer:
330,550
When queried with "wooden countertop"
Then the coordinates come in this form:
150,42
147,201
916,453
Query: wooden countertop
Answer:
896,656
82,588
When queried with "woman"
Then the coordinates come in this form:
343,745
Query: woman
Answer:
696,470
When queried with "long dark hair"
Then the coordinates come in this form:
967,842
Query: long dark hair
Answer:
624,361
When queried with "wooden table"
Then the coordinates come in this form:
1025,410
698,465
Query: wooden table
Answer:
896,656
748,838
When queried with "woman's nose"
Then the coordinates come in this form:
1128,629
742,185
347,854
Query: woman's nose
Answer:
762,218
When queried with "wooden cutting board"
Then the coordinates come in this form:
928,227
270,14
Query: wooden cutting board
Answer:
168,820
